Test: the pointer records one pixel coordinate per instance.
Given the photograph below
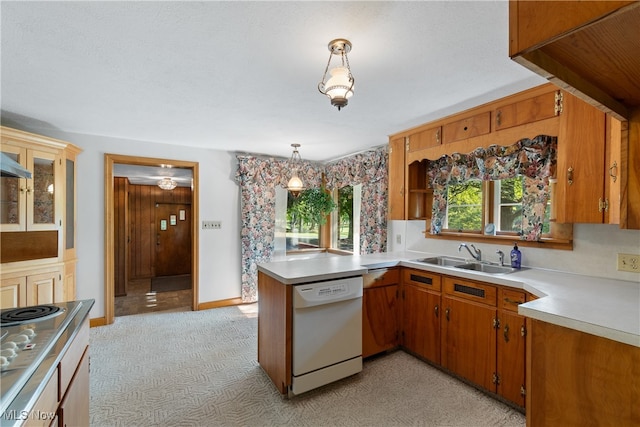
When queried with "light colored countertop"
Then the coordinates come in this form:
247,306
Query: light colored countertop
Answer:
603,307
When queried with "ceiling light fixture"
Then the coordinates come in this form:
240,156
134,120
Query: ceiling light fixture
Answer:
167,183
295,185
339,87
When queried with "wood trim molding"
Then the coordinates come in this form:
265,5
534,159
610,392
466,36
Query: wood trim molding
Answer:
109,261
98,321
220,303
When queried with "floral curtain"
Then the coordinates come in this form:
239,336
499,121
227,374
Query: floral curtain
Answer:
258,178
370,170
534,159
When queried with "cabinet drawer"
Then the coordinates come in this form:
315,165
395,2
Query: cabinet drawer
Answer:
425,139
381,277
422,278
527,111
510,299
479,124
473,291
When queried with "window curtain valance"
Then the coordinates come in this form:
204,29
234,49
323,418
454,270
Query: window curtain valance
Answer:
534,159
362,168
254,170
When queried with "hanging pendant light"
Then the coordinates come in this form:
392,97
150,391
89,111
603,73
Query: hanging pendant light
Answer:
295,185
167,183
339,87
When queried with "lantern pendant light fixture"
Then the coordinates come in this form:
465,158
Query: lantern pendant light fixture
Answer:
295,185
339,87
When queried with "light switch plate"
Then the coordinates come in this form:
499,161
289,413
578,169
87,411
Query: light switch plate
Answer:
629,262
211,225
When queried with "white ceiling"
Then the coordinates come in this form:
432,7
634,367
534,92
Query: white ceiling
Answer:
242,76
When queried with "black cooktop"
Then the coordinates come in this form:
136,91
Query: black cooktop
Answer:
27,314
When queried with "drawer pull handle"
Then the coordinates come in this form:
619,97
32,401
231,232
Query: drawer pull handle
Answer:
614,166
499,118
422,279
570,175
469,290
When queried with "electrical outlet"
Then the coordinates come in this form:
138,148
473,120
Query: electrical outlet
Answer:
399,239
211,225
629,262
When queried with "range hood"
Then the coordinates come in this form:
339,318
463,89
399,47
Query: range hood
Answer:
12,169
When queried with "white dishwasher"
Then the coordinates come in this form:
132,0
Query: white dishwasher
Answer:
327,332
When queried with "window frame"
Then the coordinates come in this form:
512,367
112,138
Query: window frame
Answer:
560,236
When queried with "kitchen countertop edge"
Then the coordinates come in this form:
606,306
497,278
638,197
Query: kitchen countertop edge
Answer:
604,307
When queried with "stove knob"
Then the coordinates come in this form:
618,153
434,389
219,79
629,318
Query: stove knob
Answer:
9,345
4,363
28,332
21,340
9,353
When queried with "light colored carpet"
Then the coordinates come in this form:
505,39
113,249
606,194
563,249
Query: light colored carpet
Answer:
200,369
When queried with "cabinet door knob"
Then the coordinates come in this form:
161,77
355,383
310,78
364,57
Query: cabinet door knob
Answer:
446,314
506,333
436,310
570,175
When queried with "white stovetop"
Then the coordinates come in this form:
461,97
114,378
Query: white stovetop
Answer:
599,306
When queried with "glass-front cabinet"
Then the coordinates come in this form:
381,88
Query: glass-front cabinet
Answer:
38,220
30,204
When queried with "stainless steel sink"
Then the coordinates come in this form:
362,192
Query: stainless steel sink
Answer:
486,268
442,260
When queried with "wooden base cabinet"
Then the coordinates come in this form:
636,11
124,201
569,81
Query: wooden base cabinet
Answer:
468,331
74,409
421,313
511,341
380,311
579,379
483,337
30,287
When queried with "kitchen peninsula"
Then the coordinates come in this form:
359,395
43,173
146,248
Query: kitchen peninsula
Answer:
574,323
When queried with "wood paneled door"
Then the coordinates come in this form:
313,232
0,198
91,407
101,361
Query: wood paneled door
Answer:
173,239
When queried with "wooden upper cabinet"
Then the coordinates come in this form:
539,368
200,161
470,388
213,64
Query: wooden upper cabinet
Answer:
528,111
591,49
581,159
396,179
479,124
425,139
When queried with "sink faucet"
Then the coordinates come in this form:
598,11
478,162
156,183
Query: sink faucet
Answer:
500,256
477,255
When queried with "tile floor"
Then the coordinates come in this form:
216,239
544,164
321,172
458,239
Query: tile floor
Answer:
140,299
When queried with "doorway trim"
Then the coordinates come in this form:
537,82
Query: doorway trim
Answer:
109,244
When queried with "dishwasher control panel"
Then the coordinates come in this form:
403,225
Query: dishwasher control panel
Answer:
326,292
331,290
